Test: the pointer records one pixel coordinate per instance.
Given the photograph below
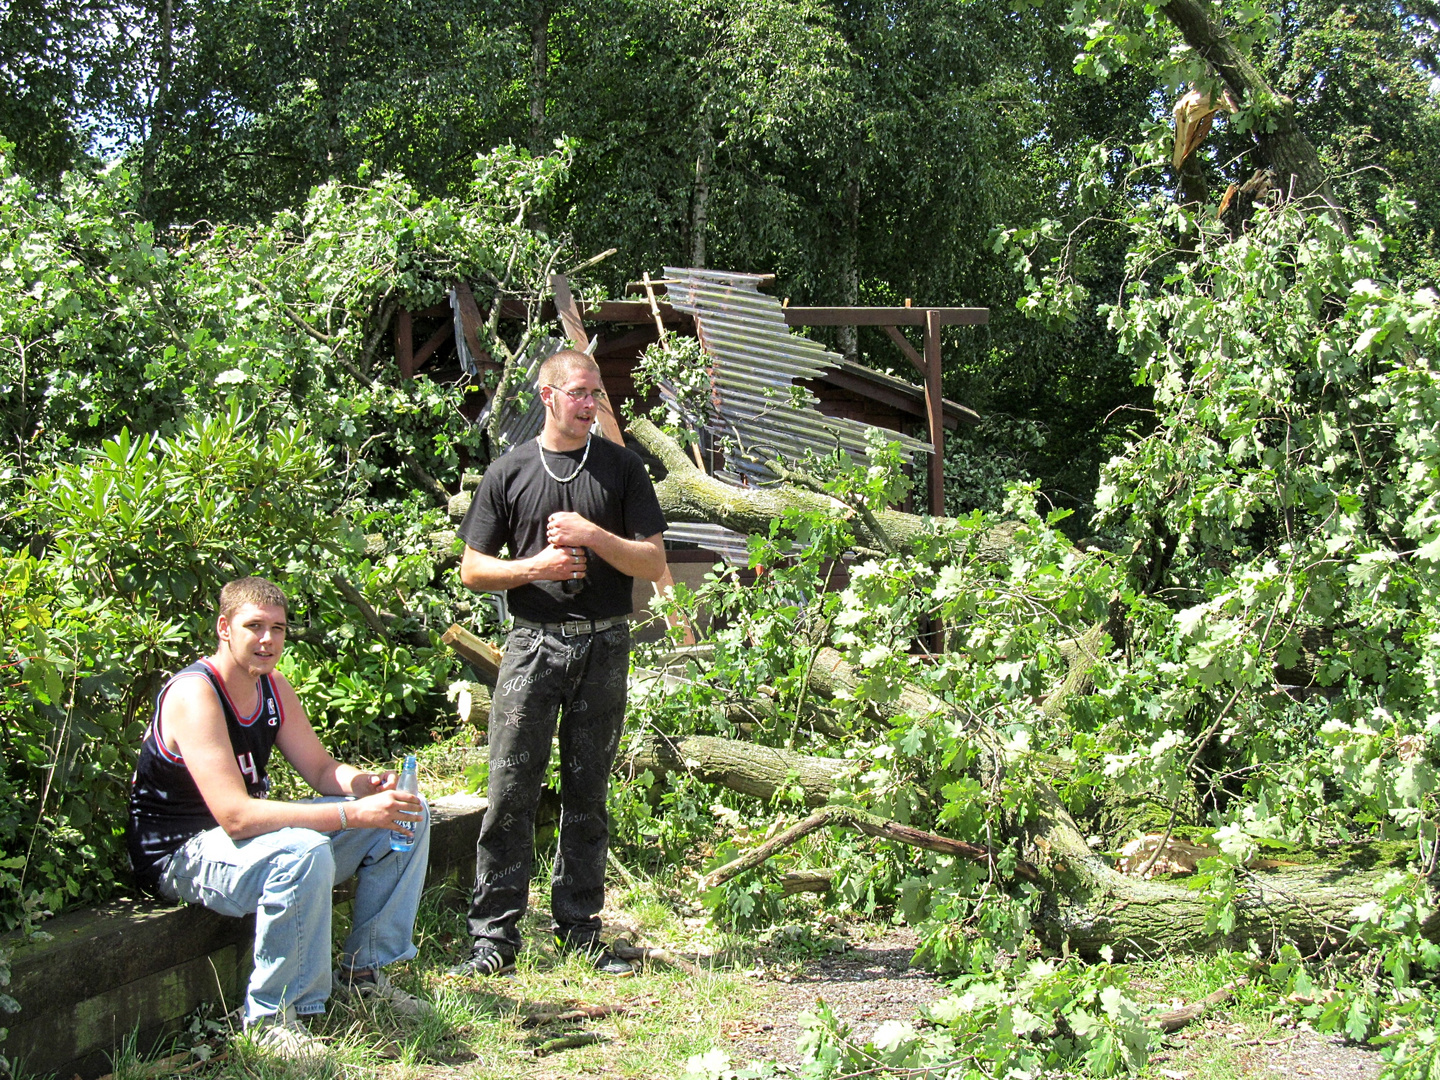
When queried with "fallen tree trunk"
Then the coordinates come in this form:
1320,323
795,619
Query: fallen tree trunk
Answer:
758,771
688,494
1088,904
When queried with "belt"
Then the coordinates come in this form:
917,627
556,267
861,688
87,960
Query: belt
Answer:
573,628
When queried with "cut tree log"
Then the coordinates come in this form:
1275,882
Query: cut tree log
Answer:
472,705
798,881
481,655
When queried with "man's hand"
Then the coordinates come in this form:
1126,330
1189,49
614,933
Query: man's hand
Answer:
567,529
383,809
556,563
369,783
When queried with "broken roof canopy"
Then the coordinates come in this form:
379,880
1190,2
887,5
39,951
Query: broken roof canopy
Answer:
760,405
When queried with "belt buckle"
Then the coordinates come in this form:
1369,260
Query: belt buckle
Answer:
574,627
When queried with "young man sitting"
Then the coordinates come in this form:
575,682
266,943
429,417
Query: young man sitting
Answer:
202,829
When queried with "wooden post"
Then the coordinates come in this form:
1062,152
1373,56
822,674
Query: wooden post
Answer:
935,411
404,344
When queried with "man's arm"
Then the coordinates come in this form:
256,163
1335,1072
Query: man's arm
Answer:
635,558
487,573
194,726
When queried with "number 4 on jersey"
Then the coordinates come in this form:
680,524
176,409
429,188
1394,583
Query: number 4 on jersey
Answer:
247,766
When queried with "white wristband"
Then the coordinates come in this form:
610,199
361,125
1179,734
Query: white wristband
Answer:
344,824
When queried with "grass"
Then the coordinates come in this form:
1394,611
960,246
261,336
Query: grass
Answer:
498,1028
656,1020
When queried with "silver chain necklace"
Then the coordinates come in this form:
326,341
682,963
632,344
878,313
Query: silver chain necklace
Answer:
564,479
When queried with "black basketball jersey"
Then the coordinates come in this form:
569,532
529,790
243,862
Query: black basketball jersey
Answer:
166,807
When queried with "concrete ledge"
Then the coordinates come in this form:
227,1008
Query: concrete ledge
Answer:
141,966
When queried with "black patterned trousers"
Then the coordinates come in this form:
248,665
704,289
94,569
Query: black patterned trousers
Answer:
581,680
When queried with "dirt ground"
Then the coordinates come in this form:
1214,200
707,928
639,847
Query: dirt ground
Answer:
871,981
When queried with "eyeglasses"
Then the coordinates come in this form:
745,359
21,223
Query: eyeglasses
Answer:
597,396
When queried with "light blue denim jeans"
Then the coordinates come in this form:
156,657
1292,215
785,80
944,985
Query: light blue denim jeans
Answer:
286,877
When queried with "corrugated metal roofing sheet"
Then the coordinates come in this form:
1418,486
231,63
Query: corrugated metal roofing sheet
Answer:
516,424
759,404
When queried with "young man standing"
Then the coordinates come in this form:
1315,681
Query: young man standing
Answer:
578,521
202,829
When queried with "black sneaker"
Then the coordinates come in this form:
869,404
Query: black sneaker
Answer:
599,954
485,960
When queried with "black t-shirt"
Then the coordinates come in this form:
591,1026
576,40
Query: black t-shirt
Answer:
517,497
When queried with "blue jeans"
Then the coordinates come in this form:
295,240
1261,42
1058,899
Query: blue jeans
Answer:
286,878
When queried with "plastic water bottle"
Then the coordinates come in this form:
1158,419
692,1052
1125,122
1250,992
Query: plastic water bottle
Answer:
409,781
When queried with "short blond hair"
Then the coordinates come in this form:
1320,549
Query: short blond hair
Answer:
561,365
251,590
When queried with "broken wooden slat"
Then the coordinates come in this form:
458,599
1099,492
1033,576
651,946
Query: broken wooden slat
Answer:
470,320
481,655
568,312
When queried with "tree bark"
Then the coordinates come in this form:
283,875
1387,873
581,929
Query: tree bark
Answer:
847,337
758,771
687,494
1088,904
539,76
1285,148
700,201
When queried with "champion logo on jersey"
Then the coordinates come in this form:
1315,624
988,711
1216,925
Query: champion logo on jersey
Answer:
270,708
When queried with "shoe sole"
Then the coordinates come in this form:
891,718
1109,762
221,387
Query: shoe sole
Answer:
468,972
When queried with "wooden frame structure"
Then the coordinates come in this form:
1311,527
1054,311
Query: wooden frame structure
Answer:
927,358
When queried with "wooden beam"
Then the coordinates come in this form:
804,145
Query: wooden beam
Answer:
405,344
885,316
934,406
442,335
906,348
626,311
